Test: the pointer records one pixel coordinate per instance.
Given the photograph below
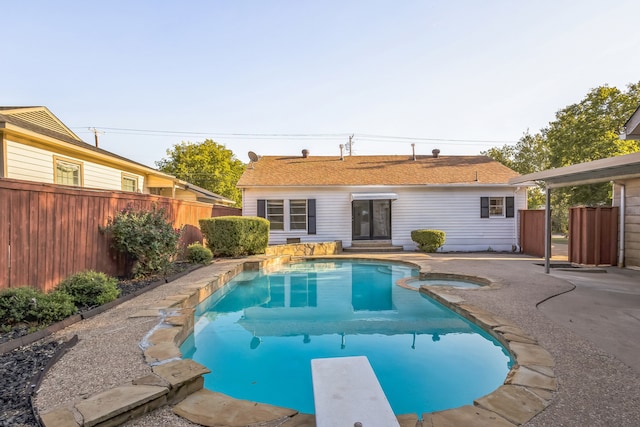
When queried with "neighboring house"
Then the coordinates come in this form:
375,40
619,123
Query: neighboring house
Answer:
624,172
36,146
362,198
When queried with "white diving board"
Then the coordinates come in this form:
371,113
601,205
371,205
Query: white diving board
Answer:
346,391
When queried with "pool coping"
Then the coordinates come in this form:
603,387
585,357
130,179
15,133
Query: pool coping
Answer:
527,390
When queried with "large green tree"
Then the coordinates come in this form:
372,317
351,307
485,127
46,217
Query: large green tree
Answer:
529,155
590,130
206,164
585,131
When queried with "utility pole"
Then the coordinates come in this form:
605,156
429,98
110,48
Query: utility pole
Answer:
350,144
95,133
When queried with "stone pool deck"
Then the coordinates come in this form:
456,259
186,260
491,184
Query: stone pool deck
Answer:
562,377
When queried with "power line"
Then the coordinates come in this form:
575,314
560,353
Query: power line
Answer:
298,136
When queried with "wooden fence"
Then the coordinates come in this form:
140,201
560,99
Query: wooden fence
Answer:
48,232
532,232
593,235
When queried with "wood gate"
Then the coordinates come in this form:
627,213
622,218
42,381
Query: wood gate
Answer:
532,232
593,235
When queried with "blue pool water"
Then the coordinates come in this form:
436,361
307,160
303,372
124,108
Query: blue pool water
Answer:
259,333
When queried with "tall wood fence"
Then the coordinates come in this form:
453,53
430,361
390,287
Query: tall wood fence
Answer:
593,235
532,232
48,232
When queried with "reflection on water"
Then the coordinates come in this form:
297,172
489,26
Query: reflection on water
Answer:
259,335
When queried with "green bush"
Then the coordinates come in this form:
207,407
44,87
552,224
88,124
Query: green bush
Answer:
428,240
89,288
146,237
198,254
53,307
31,306
236,235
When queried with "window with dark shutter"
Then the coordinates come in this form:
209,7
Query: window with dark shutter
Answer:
311,216
262,208
510,206
484,207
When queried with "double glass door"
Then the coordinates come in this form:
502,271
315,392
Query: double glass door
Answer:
371,219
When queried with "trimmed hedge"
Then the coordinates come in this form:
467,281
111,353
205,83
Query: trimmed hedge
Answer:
236,235
428,240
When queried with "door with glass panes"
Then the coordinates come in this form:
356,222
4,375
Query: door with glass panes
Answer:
371,219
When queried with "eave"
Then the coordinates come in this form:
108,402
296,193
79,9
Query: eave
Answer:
610,169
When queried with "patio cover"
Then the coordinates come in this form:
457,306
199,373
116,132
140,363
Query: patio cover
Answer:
610,169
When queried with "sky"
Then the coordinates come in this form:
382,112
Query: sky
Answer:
279,76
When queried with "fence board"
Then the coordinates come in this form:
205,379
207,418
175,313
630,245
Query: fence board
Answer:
48,232
593,235
532,232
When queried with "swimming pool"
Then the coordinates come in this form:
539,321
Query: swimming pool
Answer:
259,333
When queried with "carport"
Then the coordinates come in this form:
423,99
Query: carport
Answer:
621,170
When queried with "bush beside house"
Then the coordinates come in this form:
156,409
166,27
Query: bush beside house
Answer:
428,240
236,235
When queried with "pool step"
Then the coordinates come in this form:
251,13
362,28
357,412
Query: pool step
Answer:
372,246
346,391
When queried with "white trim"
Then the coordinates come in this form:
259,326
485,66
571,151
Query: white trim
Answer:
374,196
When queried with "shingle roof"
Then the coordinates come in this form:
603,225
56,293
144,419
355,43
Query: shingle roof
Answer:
374,170
34,127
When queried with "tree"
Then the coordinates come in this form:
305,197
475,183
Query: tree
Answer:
206,164
529,155
585,131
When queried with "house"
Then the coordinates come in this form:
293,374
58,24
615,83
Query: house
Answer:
383,198
36,146
624,172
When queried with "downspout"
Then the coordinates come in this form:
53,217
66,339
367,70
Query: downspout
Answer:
621,242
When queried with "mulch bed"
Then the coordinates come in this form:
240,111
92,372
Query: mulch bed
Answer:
21,369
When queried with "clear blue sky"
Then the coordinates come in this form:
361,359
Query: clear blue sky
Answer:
444,70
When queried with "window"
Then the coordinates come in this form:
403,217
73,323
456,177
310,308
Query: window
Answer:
275,214
68,172
129,183
496,207
297,214
301,213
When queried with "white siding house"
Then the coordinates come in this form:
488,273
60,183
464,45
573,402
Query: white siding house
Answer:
363,198
36,146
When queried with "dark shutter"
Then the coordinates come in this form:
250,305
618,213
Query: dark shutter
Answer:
311,216
510,207
484,207
262,208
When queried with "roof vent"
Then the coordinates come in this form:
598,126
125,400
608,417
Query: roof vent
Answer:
413,148
305,153
435,153
341,148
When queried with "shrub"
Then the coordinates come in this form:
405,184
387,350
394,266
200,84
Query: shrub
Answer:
16,305
428,240
28,305
53,307
198,254
146,237
236,235
89,288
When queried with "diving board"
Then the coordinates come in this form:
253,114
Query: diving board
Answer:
346,391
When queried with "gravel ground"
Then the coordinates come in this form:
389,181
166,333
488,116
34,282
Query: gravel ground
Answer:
595,388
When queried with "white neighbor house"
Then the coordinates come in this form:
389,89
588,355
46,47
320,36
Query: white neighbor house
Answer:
360,198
